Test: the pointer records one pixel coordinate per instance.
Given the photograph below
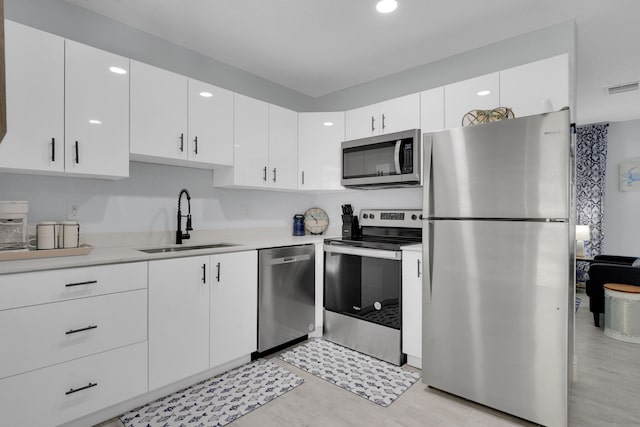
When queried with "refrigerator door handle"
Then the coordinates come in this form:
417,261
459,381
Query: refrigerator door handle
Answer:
396,157
427,226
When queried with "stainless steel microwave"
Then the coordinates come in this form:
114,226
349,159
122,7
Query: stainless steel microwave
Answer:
387,161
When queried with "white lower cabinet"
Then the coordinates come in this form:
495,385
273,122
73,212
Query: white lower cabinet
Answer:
234,305
412,307
178,319
60,393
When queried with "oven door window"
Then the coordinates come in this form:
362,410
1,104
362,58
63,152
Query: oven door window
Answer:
363,287
381,159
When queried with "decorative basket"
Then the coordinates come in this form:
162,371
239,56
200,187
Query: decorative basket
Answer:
475,117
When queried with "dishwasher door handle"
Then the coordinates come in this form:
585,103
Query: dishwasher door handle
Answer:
289,259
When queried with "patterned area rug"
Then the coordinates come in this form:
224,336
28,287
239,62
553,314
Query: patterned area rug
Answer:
219,400
373,379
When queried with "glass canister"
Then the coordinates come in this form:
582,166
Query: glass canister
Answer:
298,225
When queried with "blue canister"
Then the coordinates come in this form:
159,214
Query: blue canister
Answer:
298,225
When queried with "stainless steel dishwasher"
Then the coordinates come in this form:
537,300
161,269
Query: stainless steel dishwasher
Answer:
286,295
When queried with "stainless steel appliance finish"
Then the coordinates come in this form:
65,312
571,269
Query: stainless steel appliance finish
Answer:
390,160
498,296
286,295
362,283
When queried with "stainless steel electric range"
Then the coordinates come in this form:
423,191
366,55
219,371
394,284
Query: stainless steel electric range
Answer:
363,283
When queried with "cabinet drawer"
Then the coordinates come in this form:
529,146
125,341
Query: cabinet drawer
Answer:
18,290
42,335
47,397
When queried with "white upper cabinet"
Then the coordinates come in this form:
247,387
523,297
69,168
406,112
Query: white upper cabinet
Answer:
480,93
34,62
210,127
432,110
158,114
535,88
390,116
283,148
96,111
319,153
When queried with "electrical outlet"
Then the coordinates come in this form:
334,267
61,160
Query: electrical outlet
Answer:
73,209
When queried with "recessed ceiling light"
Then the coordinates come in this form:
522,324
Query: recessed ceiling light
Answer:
117,70
206,94
484,92
95,122
386,6
328,123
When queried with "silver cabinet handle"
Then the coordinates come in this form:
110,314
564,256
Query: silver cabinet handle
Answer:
204,273
418,268
77,153
274,174
53,149
75,390
181,142
75,331
373,120
264,177
383,126
218,275
302,177
195,150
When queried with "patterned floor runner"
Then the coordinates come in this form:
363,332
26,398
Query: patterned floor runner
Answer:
219,400
373,379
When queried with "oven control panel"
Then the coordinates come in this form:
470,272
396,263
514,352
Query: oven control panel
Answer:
410,218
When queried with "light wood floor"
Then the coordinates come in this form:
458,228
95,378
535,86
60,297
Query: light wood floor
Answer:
604,394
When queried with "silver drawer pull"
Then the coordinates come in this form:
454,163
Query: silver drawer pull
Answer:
89,282
75,390
356,308
74,331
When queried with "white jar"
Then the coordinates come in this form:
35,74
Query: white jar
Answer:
47,235
70,234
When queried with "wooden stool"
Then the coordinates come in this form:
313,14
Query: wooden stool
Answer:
622,312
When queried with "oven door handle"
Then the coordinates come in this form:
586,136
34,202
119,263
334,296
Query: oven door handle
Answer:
365,252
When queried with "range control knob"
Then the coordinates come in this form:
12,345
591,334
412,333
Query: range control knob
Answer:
365,216
414,217
371,216
420,217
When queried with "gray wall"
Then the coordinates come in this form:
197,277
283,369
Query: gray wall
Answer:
621,209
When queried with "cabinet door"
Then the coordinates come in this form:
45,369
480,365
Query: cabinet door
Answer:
319,153
178,319
251,142
535,88
400,113
210,124
158,113
96,111
363,122
34,62
283,148
467,95
412,303
432,110
234,306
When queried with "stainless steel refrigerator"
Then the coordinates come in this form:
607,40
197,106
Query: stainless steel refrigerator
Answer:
499,294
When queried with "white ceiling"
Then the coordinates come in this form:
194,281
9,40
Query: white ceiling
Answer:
318,47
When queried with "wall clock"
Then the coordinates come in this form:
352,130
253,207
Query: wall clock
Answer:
316,220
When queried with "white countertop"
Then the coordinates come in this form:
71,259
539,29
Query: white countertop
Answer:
115,248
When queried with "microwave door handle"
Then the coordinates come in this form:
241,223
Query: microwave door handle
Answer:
396,156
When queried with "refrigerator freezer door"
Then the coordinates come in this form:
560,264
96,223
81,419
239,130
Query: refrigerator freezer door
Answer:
516,168
496,329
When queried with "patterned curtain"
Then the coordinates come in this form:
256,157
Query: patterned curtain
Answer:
591,160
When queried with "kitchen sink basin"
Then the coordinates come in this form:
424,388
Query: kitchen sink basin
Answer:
186,248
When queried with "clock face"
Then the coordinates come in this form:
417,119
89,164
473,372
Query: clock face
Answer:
316,221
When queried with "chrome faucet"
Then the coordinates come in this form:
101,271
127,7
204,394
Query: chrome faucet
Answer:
179,234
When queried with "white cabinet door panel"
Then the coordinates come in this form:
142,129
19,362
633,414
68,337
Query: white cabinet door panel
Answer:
363,122
462,97
412,303
251,142
158,112
178,319
210,124
34,62
96,112
234,306
319,152
283,148
400,114
535,88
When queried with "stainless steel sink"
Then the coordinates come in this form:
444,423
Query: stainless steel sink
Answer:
186,248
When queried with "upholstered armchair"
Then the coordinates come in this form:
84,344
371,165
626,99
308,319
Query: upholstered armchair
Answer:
608,269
